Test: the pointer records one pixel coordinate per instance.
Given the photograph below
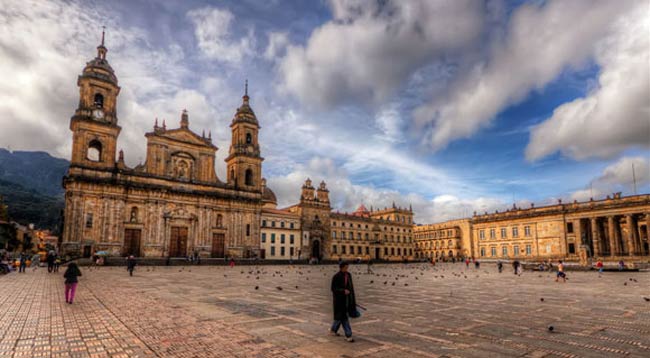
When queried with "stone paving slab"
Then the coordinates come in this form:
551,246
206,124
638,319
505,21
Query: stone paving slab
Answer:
413,311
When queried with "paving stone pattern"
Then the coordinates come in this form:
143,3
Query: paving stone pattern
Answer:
414,310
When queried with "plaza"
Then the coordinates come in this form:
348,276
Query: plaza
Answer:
413,310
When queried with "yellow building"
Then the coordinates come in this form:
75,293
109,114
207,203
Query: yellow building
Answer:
385,234
445,240
613,228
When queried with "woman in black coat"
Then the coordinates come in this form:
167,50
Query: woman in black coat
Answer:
345,305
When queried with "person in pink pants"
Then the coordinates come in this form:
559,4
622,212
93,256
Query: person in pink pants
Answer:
71,279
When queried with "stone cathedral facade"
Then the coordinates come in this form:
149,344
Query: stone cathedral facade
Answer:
172,205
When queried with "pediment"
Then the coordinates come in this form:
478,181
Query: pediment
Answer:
185,136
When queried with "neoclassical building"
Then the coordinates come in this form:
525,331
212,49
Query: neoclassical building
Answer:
280,230
445,240
385,234
172,205
613,228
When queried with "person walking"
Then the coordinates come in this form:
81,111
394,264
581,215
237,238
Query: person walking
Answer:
51,256
621,265
500,266
467,262
477,264
71,279
232,262
599,266
130,264
560,272
344,302
57,263
23,262
515,266
370,266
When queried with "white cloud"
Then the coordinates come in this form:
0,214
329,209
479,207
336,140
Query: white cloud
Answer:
215,38
346,196
278,42
372,47
615,115
39,70
541,41
616,177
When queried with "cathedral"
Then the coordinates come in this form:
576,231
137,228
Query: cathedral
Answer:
173,205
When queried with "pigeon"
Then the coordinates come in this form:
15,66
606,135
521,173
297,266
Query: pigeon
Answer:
646,299
257,287
551,328
279,288
296,287
372,282
542,299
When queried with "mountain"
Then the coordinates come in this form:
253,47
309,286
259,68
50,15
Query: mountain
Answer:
30,185
29,206
37,171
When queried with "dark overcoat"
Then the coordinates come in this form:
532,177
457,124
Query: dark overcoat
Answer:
344,305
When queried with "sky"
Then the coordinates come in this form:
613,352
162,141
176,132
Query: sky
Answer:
449,106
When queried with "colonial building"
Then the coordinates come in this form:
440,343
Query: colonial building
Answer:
280,230
172,205
385,234
614,228
445,240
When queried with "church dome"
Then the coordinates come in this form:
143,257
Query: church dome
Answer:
268,196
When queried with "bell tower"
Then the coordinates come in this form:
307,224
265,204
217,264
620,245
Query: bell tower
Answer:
94,123
244,163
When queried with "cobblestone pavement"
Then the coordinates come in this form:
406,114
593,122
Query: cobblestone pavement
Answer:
413,311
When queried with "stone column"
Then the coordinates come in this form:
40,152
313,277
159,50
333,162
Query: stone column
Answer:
595,234
618,235
647,229
611,236
629,239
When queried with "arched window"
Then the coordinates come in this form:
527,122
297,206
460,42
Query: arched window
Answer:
232,174
98,101
249,138
249,177
219,220
134,215
94,151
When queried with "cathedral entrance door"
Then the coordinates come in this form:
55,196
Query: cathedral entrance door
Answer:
132,242
218,245
178,242
315,249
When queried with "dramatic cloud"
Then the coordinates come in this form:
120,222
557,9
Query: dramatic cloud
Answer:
615,115
346,196
371,47
542,40
39,88
618,176
278,42
214,35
